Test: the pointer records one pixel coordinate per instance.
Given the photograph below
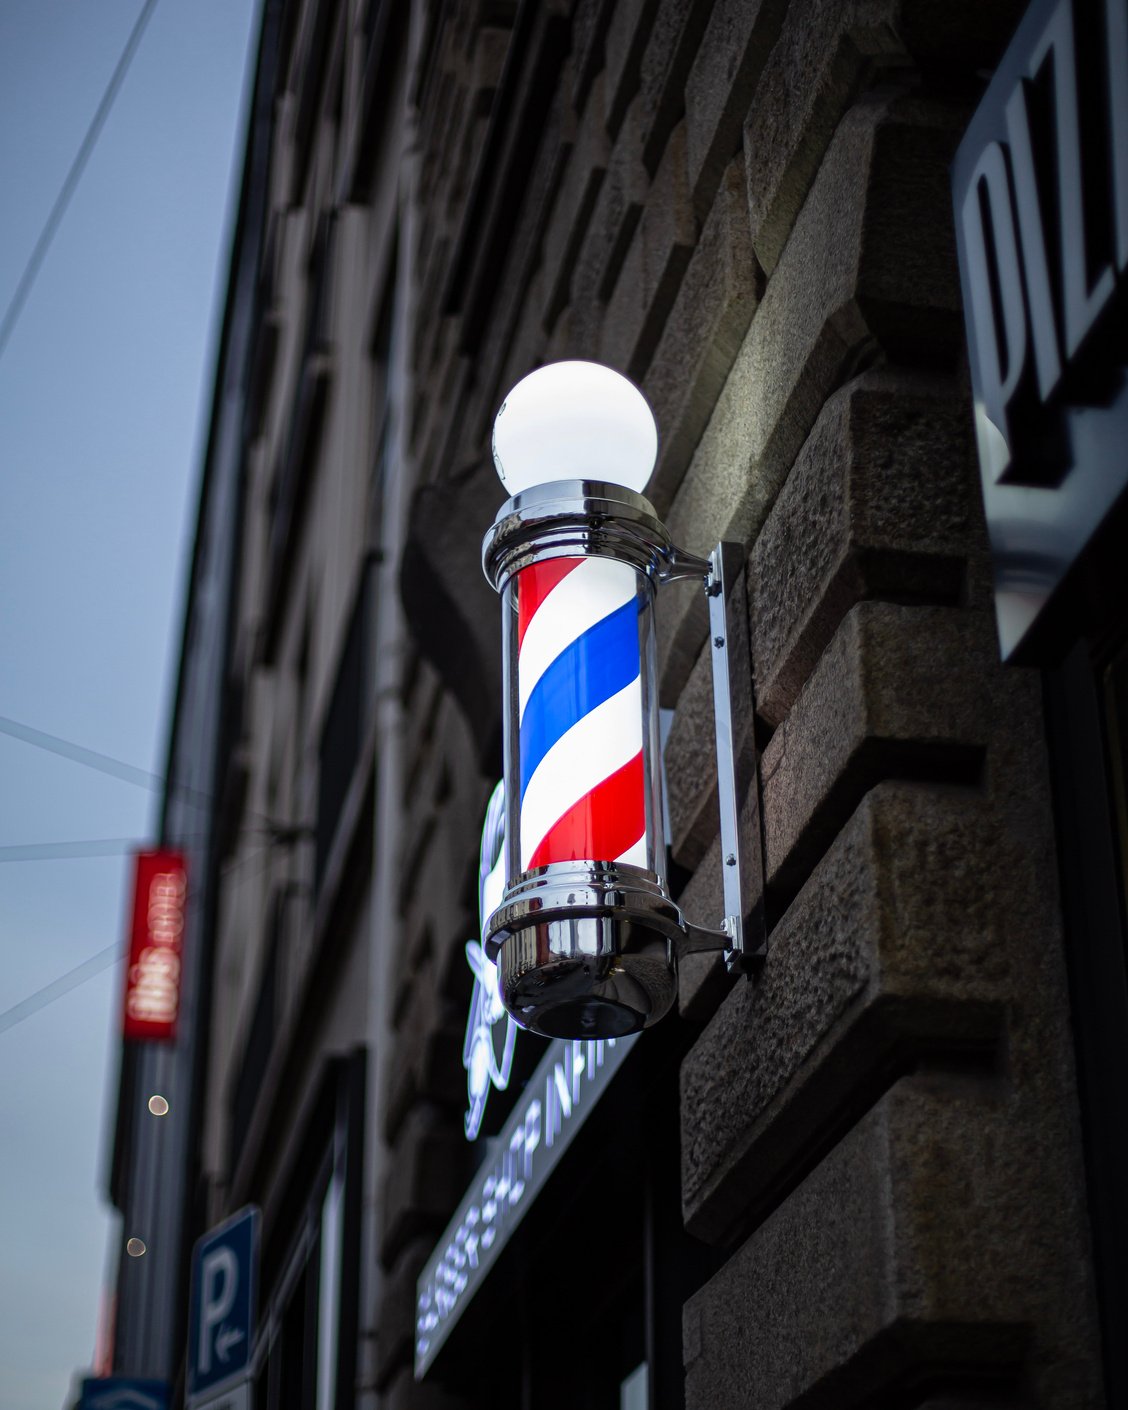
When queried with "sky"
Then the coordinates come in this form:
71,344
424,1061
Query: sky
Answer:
104,394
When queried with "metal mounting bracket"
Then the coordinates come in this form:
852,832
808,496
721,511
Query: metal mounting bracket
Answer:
738,783
743,932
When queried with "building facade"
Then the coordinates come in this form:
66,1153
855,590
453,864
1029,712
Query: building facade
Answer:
883,1171
154,1177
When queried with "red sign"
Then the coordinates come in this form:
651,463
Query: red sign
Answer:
152,980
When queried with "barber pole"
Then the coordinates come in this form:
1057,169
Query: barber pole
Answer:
579,670
586,936
583,933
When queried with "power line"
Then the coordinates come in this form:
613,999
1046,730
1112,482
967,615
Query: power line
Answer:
129,773
63,985
58,987
67,190
79,754
52,851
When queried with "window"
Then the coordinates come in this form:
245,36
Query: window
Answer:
306,1346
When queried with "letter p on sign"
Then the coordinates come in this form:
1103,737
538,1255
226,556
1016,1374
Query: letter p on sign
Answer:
221,1328
219,1278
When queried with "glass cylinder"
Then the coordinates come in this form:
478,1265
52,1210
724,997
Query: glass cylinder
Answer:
582,761
584,932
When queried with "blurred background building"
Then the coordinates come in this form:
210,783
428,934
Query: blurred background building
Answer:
887,1171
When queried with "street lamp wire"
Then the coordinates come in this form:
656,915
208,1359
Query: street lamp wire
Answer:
67,851
73,176
96,963
60,986
79,754
127,773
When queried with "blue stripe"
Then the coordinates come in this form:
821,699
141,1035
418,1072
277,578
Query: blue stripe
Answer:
590,670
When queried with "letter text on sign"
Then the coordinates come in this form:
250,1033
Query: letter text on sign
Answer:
152,979
1040,195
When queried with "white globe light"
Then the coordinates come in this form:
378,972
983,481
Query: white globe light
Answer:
574,421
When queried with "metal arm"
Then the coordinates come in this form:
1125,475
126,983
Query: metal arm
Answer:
743,932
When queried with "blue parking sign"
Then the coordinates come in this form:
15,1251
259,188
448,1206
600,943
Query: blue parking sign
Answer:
221,1317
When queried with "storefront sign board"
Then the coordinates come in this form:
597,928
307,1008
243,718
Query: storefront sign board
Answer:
563,1090
1040,190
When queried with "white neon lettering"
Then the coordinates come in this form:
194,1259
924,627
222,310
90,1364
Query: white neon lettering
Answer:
578,1065
563,1086
532,1134
507,1180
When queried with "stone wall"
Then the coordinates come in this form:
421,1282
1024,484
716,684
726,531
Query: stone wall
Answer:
745,207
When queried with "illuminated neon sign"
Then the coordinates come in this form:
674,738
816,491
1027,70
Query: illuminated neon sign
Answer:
152,977
486,1068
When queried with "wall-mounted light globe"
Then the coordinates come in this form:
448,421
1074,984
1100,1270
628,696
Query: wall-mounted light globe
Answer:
574,421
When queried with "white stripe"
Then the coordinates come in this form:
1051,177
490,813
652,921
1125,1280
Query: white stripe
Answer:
635,856
588,594
592,750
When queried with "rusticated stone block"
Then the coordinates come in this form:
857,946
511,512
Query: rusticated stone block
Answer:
589,25
930,921
703,980
575,201
426,1175
828,52
395,1345
892,949
877,504
718,93
691,766
653,268
850,282
428,1047
507,343
815,72
438,887
671,45
910,186
614,219
702,334
623,44
452,611
895,694
900,691
918,1250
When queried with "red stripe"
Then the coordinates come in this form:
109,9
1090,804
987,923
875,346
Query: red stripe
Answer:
534,583
602,825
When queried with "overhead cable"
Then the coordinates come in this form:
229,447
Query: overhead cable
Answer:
141,778
58,987
79,754
62,200
59,851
